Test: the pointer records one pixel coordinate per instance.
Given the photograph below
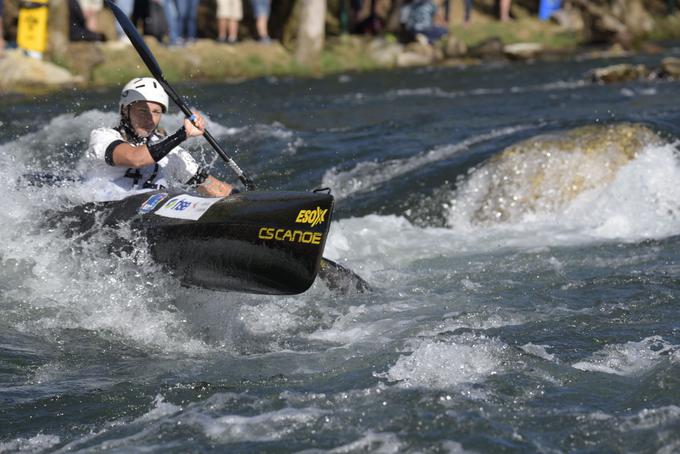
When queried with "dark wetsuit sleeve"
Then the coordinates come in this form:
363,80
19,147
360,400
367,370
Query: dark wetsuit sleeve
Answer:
159,150
108,154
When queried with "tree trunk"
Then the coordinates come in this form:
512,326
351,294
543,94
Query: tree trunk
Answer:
310,39
58,28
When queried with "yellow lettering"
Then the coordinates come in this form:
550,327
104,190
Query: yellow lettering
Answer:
312,217
266,233
294,236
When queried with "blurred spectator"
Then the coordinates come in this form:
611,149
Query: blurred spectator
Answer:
156,19
126,6
159,19
355,8
373,24
2,33
187,20
468,10
261,9
78,30
546,8
505,10
418,17
229,13
170,15
90,9
672,6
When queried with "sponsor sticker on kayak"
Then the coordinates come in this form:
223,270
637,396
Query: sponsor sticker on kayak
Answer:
311,217
152,202
187,207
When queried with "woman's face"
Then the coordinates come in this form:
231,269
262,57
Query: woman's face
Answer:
145,116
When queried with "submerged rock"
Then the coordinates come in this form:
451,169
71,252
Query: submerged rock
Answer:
619,73
545,173
670,67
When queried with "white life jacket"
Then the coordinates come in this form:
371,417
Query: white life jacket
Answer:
107,182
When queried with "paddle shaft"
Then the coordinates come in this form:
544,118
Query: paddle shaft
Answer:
151,63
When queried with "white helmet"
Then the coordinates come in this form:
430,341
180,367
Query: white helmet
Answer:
143,89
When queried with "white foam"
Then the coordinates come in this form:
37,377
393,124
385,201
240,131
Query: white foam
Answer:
162,410
356,326
652,418
266,426
37,444
443,365
273,316
627,359
375,442
64,283
438,92
538,350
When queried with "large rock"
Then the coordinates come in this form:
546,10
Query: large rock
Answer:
670,67
491,48
81,57
544,174
615,20
619,73
634,16
383,52
416,54
568,18
454,47
20,73
408,59
523,51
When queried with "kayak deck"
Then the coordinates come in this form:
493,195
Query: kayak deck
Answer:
255,242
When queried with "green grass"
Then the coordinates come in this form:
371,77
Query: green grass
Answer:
522,30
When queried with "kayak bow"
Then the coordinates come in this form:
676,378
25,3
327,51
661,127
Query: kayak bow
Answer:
255,242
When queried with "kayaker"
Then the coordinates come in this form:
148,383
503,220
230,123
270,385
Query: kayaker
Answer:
137,156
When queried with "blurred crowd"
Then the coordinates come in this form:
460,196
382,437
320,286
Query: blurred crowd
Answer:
176,22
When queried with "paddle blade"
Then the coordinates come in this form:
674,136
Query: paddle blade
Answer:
341,279
136,40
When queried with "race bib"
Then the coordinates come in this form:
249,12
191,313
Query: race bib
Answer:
187,207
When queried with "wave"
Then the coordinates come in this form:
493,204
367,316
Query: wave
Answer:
531,199
437,92
366,176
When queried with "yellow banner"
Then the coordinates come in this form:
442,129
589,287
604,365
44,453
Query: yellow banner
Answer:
32,26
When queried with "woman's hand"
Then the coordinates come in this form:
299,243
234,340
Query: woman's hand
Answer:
197,127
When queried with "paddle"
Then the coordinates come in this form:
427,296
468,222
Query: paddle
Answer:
336,276
151,63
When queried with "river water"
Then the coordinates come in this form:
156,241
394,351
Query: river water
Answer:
551,327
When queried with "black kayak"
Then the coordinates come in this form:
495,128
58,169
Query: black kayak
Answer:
255,242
